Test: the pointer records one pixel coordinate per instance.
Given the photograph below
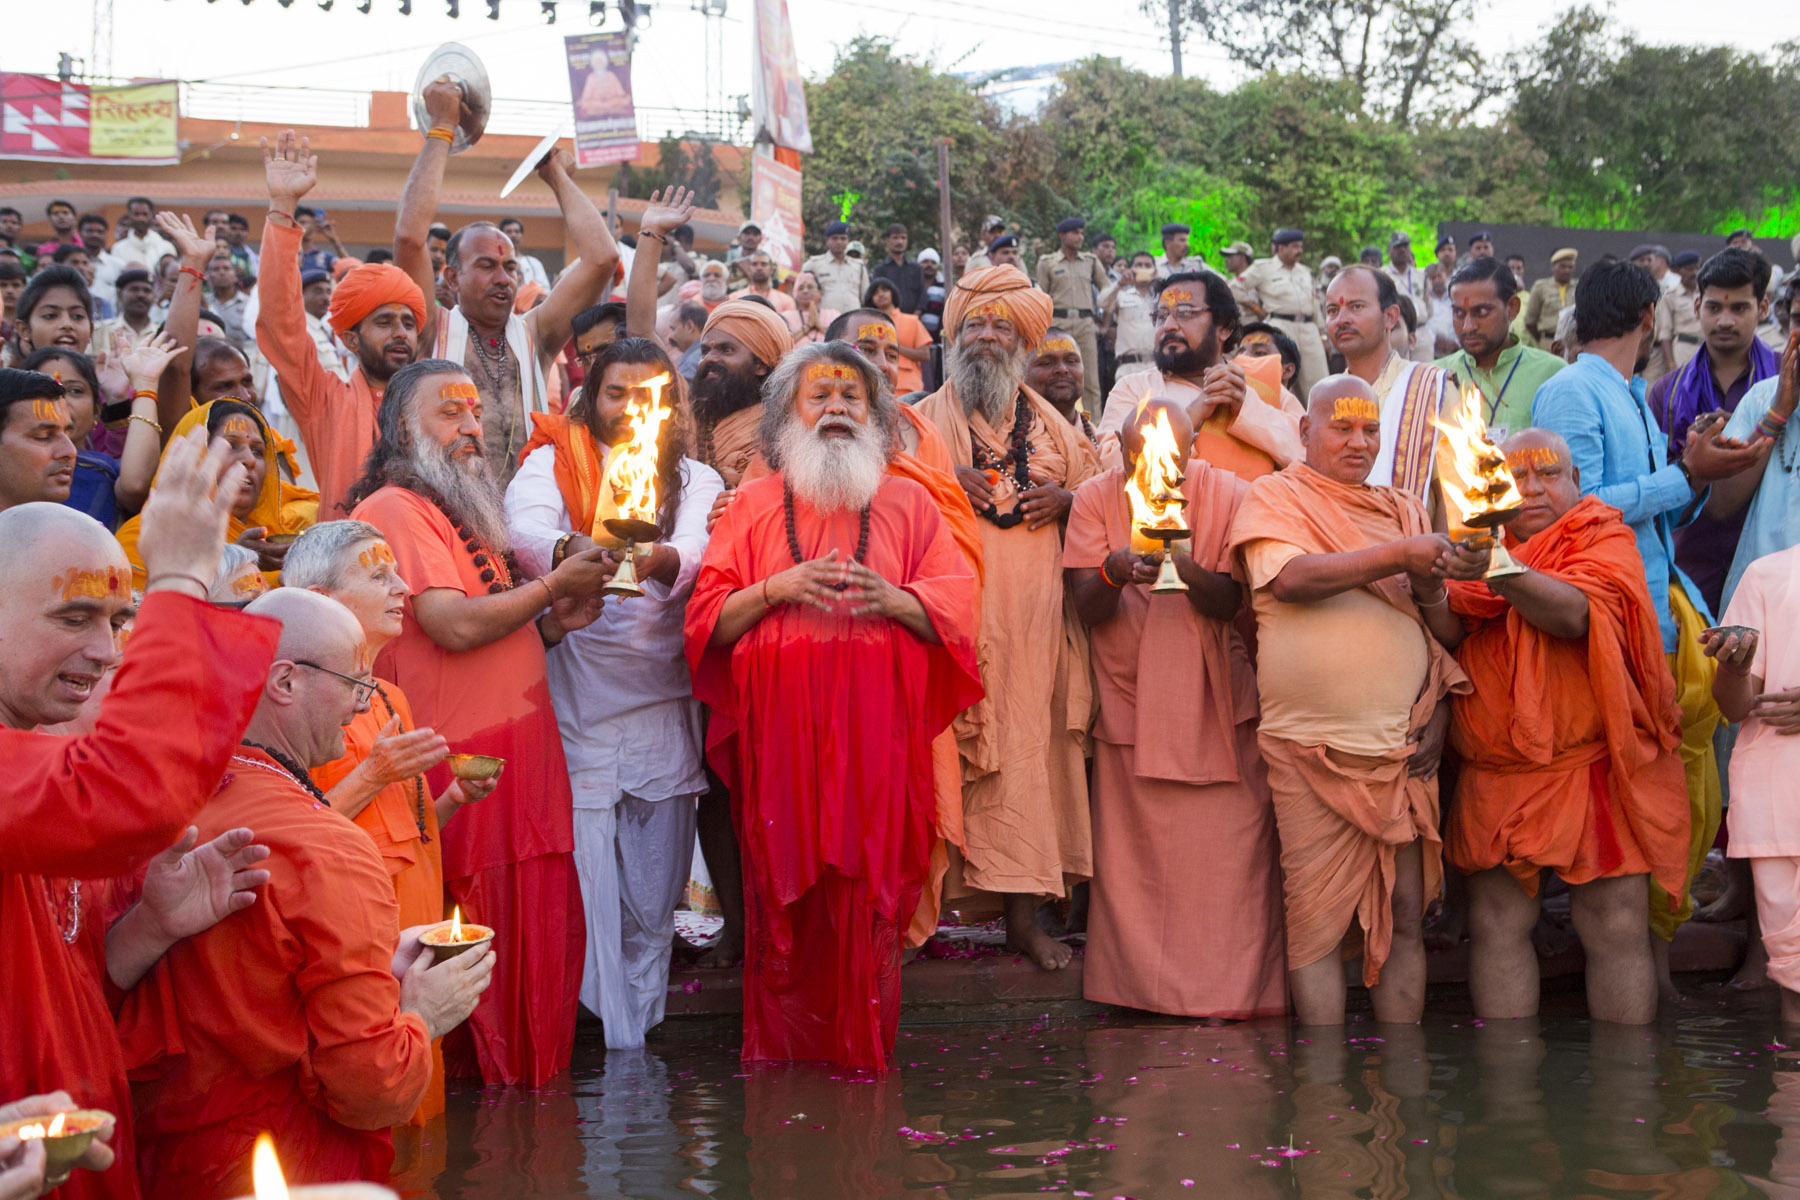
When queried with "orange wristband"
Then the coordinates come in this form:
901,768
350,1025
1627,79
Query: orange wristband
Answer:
443,133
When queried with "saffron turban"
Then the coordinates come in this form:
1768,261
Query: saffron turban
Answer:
367,288
755,326
1028,308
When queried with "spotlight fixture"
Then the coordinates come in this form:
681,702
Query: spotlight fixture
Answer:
493,10
325,5
453,8
596,12
365,6
548,8
406,8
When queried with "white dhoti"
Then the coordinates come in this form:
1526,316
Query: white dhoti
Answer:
633,857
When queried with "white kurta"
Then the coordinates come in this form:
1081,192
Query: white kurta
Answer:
1392,402
631,731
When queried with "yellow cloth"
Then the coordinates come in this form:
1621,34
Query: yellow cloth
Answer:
281,507
1700,719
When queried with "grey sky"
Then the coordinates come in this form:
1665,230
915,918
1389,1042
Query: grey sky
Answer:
263,43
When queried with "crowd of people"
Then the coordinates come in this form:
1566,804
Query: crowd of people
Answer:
891,636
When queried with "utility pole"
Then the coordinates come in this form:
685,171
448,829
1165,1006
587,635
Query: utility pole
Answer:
1175,34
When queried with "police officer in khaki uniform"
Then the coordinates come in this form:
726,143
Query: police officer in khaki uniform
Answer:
1281,291
1238,257
843,280
1549,297
1074,278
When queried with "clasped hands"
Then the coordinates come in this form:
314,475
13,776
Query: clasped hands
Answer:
831,580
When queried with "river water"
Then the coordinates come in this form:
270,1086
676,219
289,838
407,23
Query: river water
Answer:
1706,1104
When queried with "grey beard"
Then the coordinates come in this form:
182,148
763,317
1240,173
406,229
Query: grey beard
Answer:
985,385
466,490
832,474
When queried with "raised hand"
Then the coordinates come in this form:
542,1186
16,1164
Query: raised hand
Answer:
444,102
290,169
143,364
558,161
189,888
669,210
195,247
115,382
184,520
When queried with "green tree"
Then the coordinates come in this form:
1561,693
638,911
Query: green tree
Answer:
876,122
1658,137
1401,58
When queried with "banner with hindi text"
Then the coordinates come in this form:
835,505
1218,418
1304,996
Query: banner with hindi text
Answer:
56,121
775,207
600,93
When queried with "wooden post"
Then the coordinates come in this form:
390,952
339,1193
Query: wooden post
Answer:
944,209
612,211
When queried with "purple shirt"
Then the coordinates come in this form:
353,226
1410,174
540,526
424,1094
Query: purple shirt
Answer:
1705,546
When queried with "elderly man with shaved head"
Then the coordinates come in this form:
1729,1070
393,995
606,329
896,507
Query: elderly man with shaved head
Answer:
1353,623
308,1012
1569,744
103,803
1180,798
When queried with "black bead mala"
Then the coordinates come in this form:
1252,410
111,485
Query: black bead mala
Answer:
287,764
793,536
418,780
1017,461
498,571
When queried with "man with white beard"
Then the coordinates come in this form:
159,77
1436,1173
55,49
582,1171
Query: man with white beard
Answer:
1025,804
470,657
831,631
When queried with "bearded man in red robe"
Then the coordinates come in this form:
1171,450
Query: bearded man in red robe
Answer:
832,632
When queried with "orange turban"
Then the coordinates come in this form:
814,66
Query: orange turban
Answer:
758,327
529,293
1006,285
343,266
368,287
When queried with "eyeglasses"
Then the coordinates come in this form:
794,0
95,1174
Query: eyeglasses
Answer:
1181,312
365,688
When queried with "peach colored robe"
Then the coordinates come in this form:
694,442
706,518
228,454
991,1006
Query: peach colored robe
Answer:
1344,817
1025,805
1183,825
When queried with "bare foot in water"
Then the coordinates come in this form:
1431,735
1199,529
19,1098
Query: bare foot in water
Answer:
1754,974
1025,936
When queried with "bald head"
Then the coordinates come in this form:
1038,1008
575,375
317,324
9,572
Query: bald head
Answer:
1545,473
65,597
1342,428
310,695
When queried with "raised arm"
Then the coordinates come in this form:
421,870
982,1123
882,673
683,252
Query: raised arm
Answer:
584,283
143,366
174,393
290,169
419,199
668,211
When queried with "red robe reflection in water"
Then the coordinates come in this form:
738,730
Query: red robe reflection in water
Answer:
822,727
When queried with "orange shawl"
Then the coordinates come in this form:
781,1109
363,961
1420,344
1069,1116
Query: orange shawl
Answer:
578,461
1551,717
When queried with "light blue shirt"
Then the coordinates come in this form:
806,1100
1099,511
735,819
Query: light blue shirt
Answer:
1773,522
1622,455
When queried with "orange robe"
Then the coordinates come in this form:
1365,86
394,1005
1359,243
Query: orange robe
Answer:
1181,805
508,861
821,729
402,822
1570,746
1025,804
102,804
284,1017
1343,817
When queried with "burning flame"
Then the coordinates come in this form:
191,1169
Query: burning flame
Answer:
1481,481
54,1129
1154,488
455,923
632,472
265,1170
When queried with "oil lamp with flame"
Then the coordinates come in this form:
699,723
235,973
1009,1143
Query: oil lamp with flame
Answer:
448,941
270,1184
66,1137
630,484
1478,484
1154,491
